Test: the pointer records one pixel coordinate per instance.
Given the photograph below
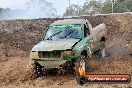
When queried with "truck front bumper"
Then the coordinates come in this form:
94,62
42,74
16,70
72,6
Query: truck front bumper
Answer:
51,64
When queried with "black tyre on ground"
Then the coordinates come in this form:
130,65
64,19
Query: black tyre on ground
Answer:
37,70
81,80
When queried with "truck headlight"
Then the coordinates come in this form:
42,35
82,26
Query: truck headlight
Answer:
34,54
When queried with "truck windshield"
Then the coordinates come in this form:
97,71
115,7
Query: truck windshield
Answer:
63,31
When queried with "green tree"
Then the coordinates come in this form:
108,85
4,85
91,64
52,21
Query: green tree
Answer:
89,8
123,6
107,7
92,7
118,6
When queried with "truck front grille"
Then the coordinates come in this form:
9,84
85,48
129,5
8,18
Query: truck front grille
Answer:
49,54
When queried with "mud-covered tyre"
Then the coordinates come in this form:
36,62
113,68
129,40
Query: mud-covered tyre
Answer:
38,70
81,80
101,53
61,71
44,71
98,54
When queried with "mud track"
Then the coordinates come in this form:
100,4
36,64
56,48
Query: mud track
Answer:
17,37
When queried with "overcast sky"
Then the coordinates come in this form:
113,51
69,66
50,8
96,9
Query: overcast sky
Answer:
59,5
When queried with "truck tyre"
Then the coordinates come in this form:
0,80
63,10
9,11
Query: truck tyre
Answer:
102,53
81,80
38,70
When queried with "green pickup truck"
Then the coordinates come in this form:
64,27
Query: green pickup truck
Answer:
64,42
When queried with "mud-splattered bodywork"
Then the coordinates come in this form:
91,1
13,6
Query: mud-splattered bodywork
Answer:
52,53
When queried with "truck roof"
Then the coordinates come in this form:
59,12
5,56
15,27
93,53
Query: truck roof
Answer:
68,21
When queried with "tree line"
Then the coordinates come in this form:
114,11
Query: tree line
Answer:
91,7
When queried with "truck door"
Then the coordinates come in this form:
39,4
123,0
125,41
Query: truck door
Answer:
86,30
86,34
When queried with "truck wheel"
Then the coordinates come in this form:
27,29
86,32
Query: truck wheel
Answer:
101,53
45,71
61,71
81,80
38,70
